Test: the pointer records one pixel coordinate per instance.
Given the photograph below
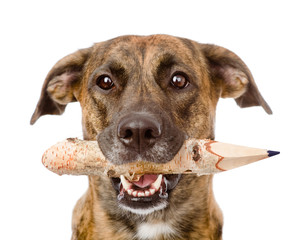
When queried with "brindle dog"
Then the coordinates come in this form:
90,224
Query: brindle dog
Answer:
141,97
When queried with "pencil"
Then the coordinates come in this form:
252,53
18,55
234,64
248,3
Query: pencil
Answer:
196,156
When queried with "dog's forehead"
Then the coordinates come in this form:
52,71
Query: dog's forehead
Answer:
146,49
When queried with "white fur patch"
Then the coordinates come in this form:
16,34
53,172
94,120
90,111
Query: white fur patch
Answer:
145,211
147,231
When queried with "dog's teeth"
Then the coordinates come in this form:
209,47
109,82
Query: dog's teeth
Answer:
152,191
156,185
140,194
128,187
134,193
125,183
146,193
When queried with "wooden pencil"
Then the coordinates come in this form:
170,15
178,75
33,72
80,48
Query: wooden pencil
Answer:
201,157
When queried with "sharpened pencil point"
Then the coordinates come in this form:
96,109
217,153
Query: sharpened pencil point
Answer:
272,153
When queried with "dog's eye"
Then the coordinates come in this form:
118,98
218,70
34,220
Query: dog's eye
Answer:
105,82
179,81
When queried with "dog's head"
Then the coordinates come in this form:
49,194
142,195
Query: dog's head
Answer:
141,97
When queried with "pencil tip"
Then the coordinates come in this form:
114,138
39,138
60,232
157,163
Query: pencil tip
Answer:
272,153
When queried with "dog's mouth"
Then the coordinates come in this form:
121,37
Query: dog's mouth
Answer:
150,193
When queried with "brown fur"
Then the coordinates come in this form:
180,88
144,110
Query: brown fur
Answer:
142,67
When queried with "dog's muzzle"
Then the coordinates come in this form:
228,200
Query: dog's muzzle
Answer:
146,136
141,136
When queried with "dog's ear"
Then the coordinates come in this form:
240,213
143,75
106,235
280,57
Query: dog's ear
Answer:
233,77
61,84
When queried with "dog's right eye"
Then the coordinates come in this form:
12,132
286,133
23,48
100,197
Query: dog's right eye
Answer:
105,82
179,81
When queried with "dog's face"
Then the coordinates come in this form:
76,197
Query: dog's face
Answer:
141,97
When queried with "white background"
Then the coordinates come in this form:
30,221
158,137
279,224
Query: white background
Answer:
258,201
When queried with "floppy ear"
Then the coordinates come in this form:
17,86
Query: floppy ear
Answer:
61,84
233,77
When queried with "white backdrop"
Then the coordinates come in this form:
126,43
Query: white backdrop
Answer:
258,201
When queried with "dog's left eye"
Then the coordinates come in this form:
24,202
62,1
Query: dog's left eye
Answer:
179,81
105,82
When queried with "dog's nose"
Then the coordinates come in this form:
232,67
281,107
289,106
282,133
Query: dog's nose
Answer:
139,131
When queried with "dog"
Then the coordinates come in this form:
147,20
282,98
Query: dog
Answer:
141,98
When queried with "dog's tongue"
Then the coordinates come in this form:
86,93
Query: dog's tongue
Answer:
145,180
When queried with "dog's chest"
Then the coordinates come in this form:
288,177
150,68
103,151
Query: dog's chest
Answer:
148,231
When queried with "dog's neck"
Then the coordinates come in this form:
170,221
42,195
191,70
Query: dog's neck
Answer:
149,231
